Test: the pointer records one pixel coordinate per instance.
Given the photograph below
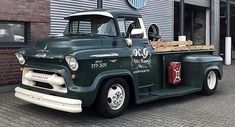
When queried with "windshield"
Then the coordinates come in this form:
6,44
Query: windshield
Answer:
84,25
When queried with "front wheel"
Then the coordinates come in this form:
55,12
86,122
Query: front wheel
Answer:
210,82
113,98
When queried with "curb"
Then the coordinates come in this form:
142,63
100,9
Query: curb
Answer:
7,88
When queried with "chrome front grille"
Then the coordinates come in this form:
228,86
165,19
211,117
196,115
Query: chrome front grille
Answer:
44,79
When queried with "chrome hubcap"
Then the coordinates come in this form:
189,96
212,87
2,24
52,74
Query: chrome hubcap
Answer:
116,96
211,80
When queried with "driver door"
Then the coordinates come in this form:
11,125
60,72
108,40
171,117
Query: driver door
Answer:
141,54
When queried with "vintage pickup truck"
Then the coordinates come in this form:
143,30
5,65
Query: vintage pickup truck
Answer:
105,60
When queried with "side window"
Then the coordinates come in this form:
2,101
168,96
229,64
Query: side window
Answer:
127,24
122,26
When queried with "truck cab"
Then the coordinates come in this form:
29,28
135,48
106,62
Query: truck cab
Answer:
105,59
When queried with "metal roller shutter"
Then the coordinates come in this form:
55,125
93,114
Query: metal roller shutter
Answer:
160,12
203,3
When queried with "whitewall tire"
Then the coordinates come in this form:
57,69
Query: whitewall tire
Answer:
210,82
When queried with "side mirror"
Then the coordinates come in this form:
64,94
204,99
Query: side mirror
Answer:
136,32
133,32
153,37
158,37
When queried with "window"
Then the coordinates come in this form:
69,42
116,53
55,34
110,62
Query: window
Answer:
122,26
84,25
13,33
127,24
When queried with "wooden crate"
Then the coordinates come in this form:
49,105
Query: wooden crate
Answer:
184,48
171,43
173,46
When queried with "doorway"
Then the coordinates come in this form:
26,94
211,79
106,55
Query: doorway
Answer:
195,27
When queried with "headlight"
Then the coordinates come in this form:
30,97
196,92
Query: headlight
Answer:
20,58
72,62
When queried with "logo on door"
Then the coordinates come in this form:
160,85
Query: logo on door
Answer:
141,60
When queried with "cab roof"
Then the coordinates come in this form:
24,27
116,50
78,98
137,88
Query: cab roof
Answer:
106,12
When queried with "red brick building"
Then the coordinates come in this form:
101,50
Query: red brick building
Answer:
22,22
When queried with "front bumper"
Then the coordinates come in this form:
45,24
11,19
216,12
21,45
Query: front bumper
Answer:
50,101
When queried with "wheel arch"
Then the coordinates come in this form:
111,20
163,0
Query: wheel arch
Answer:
216,69
210,88
125,74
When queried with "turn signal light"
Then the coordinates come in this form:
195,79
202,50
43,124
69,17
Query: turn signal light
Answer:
73,76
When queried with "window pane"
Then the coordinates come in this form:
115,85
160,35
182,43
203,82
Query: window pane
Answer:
121,24
85,27
107,28
127,24
132,24
74,28
12,32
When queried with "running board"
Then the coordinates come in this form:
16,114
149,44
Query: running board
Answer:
166,93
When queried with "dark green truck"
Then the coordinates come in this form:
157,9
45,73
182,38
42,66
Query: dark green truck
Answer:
105,59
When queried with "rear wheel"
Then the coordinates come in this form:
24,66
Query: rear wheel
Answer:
210,82
113,98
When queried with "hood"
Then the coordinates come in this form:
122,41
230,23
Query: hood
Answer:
58,47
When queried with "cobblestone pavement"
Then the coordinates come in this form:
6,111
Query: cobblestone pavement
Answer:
192,110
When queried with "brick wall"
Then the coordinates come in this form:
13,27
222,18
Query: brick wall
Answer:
9,67
37,13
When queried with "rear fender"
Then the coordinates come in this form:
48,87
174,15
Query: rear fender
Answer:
215,62
195,67
216,68
201,59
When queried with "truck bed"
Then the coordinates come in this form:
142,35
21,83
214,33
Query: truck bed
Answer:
178,46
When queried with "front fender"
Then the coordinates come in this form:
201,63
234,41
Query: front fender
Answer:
111,73
104,75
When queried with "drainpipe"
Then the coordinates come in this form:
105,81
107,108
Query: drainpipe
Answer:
228,39
182,37
99,4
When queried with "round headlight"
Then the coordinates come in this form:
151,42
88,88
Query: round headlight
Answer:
72,62
20,58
